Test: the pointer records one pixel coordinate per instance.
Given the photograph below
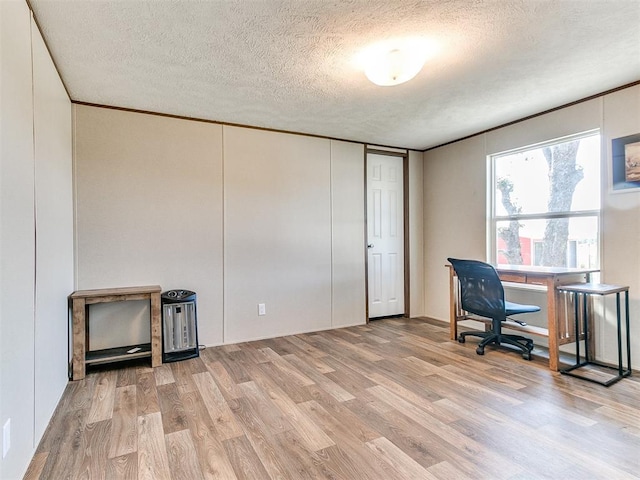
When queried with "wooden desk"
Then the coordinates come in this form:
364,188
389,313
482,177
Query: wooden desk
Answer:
559,333
80,301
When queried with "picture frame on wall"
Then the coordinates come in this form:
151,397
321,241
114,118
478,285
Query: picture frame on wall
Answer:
625,164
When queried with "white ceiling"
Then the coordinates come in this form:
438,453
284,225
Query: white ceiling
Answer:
290,64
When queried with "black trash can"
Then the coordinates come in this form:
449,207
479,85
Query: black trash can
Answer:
179,325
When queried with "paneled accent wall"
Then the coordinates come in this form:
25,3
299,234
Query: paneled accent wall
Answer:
241,216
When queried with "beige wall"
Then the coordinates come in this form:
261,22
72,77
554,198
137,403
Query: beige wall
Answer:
620,221
149,211
54,232
348,306
455,214
36,247
277,233
18,241
416,234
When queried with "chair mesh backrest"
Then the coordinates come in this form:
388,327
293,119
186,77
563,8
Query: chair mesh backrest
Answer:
481,290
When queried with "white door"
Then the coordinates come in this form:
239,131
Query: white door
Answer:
385,235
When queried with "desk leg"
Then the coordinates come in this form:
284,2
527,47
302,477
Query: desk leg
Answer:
576,322
626,311
156,331
552,320
587,326
79,326
453,307
619,326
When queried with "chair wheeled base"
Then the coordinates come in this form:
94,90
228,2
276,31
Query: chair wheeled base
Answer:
511,342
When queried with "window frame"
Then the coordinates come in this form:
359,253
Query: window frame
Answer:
493,219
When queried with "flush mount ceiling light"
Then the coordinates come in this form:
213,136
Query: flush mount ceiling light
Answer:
393,63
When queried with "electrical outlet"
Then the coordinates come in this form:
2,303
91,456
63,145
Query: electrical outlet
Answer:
6,438
262,309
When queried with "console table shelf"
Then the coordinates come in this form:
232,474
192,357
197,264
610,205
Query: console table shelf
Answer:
117,354
79,302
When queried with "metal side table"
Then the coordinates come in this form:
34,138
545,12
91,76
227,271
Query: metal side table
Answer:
584,290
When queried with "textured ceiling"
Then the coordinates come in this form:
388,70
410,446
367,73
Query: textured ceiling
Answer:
290,64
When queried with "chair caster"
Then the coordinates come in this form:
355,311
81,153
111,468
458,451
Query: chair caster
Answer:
461,339
480,351
526,356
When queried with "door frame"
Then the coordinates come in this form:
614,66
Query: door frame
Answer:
404,154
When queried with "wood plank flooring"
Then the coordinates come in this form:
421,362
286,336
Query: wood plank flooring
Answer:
394,399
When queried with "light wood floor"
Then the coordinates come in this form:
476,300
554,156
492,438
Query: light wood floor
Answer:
392,400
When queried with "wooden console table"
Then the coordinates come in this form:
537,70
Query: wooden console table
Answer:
559,333
82,355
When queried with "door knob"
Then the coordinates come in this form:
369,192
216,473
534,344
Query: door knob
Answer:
370,245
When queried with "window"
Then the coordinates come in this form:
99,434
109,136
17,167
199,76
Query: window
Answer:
545,204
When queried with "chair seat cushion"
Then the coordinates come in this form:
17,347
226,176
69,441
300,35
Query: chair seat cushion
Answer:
515,308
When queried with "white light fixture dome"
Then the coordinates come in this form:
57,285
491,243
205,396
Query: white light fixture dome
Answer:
393,63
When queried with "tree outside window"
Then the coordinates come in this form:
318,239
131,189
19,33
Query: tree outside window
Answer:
546,203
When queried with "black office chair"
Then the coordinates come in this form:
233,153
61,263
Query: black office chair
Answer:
482,293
